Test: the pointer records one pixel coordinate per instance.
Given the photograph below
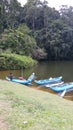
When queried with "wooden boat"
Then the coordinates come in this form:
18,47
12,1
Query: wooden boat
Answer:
48,81
24,81
64,87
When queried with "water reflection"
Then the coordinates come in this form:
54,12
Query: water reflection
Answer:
46,70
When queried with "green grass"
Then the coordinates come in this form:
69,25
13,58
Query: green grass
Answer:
24,108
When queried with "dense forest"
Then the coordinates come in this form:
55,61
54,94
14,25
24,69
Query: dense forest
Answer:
36,30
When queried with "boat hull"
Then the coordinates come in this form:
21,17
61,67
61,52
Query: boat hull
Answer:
18,81
48,81
66,86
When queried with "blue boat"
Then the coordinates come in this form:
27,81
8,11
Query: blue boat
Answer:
61,88
51,85
48,81
24,81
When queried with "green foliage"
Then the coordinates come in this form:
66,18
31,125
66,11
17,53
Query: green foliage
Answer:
14,61
51,30
40,54
18,41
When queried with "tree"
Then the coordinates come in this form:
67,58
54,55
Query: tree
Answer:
3,9
18,41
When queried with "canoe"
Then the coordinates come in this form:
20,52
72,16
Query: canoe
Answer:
24,81
48,81
51,85
55,84
65,86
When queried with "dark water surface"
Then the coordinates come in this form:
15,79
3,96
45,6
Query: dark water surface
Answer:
46,70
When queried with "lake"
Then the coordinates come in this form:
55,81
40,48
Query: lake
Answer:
45,70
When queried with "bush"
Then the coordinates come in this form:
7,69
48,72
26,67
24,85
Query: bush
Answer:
14,61
40,54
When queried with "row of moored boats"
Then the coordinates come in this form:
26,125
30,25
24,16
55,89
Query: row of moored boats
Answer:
56,84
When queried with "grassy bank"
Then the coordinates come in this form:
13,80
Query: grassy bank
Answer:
23,108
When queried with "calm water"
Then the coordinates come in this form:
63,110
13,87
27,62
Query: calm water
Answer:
46,70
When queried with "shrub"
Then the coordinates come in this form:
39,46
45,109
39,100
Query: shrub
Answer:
14,61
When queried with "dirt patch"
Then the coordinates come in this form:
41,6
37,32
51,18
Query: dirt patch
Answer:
5,107
2,125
